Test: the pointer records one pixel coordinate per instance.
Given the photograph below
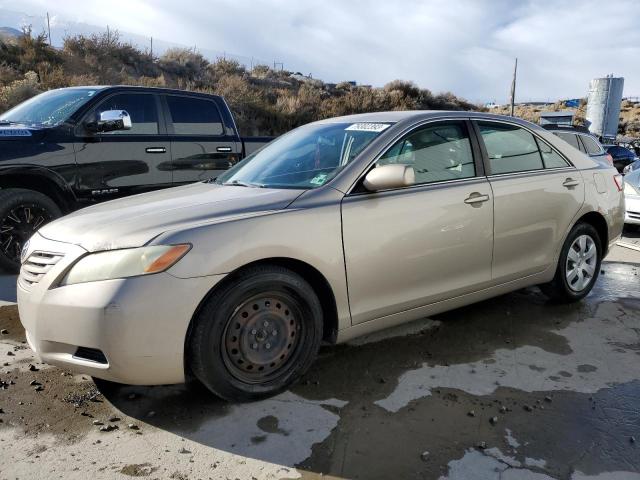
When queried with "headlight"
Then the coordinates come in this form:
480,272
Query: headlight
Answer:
630,190
129,262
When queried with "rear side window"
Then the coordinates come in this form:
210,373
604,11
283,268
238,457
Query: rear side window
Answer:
142,109
194,116
437,152
510,148
570,138
550,157
591,145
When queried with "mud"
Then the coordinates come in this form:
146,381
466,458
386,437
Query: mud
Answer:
515,387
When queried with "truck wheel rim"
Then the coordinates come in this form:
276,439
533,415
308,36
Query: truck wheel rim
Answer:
18,225
262,337
582,260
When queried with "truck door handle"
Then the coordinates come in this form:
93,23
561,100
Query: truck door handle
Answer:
475,198
223,149
156,150
570,183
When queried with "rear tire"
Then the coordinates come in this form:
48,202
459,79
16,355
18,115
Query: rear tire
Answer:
578,266
22,213
256,335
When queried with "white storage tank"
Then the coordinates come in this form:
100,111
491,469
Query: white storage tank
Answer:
603,106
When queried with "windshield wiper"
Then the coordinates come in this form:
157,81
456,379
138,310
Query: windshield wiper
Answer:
237,183
8,122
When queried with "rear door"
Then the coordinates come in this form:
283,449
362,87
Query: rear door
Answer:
408,247
202,146
537,193
122,162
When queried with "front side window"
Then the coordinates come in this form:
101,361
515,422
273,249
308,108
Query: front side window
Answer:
49,108
305,158
437,152
142,109
591,145
510,148
194,116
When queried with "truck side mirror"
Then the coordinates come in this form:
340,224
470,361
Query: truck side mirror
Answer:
110,120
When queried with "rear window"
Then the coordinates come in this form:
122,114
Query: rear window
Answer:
570,138
510,148
591,145
194,116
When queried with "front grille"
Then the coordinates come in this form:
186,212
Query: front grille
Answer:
91,354
634,215
37,265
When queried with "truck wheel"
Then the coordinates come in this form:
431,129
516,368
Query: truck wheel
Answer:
256,335
22,212
578,266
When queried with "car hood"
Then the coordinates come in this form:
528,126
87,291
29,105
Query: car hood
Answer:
20,132
134,221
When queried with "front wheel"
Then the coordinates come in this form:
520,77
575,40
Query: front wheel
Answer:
578,265
256,334
22,213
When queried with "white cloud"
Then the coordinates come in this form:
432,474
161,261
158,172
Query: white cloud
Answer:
465,46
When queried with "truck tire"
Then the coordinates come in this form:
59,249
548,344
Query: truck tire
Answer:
22,212
256,335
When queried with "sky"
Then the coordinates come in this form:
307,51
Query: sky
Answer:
466,47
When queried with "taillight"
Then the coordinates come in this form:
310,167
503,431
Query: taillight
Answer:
609,159
618,181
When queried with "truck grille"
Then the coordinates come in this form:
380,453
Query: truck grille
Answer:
37,265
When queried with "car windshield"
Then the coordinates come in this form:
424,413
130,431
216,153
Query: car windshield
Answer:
305,158
49,108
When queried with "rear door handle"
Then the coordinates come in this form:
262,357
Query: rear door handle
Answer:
570,182
223,149
475,197
156,150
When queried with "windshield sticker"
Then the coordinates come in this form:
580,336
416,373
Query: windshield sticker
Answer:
14,132
319,179
368,127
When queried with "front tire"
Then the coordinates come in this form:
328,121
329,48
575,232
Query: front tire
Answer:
578,266
256,335
22,213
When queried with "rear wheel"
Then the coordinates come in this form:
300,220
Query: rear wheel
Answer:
256,335
22,213
578,266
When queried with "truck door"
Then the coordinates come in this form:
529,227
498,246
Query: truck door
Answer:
123,162
202,147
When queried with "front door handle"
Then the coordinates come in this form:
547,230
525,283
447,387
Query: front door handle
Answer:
156,150
570,183
476,198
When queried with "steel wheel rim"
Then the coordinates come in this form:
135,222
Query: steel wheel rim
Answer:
18,226
251,350
582,260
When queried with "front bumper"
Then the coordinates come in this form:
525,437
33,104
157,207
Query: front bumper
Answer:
632,213
139,324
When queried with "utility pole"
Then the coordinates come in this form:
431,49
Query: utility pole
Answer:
513,87
152,47
49,29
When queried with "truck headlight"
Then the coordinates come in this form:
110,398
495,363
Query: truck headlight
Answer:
630,190
128,262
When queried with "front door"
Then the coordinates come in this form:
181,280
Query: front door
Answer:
123,162
537,193
413,246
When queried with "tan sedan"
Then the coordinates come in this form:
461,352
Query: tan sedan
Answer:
336,229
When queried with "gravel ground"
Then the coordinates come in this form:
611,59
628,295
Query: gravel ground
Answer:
511,388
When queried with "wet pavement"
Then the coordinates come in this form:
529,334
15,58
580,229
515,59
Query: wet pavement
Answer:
512,388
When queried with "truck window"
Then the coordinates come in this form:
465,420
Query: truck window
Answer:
194,116
142,109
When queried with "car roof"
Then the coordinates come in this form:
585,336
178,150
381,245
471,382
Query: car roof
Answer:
417,115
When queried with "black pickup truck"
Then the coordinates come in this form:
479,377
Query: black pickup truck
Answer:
71,147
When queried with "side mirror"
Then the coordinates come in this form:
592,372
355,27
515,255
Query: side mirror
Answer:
111,120
385,177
